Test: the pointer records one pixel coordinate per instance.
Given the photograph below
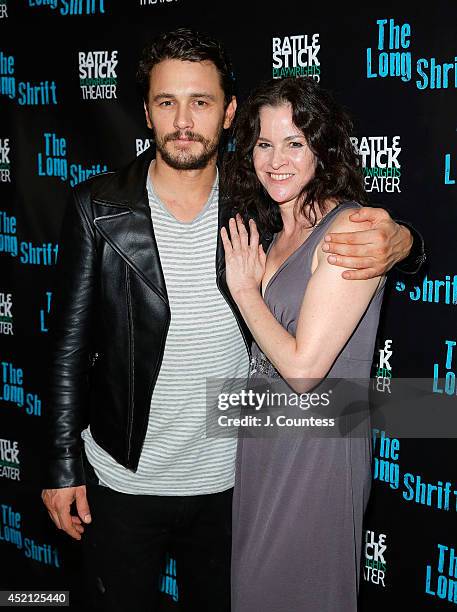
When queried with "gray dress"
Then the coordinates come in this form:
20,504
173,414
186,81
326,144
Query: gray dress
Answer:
299,501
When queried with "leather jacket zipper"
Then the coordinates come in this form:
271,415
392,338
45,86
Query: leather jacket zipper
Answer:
131,353
218,274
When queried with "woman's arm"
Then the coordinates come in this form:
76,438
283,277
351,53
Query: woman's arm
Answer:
331,310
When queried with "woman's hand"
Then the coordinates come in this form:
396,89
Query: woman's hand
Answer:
244,257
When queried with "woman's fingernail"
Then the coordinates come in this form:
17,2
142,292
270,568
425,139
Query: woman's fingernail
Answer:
332,259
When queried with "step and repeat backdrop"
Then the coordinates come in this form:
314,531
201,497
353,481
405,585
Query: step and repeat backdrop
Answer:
70,109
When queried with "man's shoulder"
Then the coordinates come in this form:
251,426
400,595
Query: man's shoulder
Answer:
126,184
93,183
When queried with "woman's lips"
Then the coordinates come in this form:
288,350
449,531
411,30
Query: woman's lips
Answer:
279,178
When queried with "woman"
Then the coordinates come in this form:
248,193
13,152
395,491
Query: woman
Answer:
298,501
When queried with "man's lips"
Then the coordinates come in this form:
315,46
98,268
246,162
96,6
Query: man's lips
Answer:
183,140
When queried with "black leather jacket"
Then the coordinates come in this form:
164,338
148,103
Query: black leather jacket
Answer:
110,319
109,322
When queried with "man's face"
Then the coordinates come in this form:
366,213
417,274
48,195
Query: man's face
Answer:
185,110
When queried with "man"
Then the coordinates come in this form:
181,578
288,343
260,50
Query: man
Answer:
142,318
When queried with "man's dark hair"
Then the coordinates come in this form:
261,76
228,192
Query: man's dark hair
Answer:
327,129
186,45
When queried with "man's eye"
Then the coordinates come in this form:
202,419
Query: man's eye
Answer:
201,103
166,103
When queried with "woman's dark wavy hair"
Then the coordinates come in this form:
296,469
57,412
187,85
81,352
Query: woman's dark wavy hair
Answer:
326,127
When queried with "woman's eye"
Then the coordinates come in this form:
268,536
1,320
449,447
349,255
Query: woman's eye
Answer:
263,145
296,145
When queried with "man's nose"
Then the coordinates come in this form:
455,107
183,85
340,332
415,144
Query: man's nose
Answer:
183,117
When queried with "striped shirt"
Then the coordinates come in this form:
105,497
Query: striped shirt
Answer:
203,341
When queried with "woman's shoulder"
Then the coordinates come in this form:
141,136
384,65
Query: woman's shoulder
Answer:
341,221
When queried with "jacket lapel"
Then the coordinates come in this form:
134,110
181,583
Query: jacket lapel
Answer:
123,217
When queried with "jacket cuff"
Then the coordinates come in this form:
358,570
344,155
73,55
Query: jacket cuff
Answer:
67,472
417,255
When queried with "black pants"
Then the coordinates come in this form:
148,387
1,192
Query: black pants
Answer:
125,546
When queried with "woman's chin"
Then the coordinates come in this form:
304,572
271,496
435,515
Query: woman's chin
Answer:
282,199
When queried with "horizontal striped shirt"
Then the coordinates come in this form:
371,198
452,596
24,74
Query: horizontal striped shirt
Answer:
203,341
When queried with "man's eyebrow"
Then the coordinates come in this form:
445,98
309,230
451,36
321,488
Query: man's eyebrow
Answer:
167,96
203,95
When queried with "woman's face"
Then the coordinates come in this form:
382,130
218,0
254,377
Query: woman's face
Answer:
283,161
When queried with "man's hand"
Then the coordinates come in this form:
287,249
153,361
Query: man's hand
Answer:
369,252
58,502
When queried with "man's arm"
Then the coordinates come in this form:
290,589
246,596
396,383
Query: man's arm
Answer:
413,262
66,395
375,251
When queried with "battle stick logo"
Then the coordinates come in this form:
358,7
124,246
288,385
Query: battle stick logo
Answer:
71,7
5,176
141,144
6,315
97,74
375,565
384,371
444,584
9,460
392,59
296,56
381,168
3,9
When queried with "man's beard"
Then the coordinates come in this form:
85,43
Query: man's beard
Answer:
185,160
